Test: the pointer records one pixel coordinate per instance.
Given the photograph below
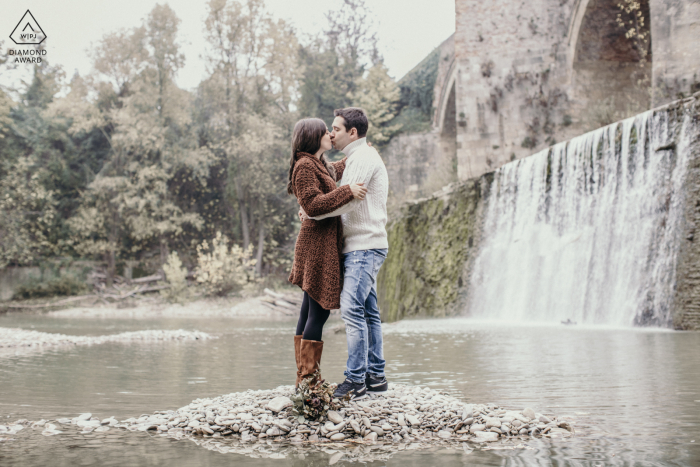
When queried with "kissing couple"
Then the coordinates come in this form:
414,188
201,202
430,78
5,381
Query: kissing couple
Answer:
341,246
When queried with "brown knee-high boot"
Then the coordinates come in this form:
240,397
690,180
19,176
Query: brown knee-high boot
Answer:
310,357
297,356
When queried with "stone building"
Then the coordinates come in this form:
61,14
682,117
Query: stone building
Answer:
517,77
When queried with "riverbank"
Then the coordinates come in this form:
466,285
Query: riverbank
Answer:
156,308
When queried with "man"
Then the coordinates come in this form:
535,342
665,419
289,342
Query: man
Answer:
365,249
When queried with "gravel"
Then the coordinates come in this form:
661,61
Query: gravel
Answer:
407,417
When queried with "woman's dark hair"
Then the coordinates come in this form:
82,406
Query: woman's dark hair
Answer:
306,137
354,117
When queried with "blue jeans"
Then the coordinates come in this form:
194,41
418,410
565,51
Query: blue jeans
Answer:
359,309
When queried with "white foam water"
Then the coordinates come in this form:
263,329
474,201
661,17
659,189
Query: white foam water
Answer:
586,230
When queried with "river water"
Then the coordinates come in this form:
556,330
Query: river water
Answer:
635,393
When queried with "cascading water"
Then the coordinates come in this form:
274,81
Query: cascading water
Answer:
586,230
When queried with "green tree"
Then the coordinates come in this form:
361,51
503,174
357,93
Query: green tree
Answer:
27,210
378,94
334,62
246,117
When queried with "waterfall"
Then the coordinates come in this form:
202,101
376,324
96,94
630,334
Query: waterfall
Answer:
586,230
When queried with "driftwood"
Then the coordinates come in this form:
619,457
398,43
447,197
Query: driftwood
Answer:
46,305
274,307
288,303
102,295
152,278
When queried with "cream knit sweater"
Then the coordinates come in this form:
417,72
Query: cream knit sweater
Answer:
364,221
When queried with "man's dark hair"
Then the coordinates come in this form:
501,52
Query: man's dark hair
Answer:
354,117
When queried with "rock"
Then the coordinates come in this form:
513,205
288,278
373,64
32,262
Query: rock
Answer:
486,436
274,431
245,417
355,427
84,417
386,427
492,422
278,404
375,429
565,425
338,437
401,419
516,423
558,433
529,413
544,419
468,421
334,417
372,437
330,426
476,428
396,438
88,423
313,438
413,420
444,434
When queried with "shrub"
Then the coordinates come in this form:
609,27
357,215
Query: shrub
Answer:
64,285
176,276
222,270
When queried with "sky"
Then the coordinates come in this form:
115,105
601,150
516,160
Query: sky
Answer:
408,30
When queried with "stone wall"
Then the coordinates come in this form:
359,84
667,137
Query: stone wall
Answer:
686,306
530,74
417,165
675,38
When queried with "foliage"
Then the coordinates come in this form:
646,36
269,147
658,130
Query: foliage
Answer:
222,270
246,117
123,165
378,95
67,284
27,210
335,62
314,397
176,276
417,86
635,27
632,20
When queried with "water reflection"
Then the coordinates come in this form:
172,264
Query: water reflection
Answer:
635,393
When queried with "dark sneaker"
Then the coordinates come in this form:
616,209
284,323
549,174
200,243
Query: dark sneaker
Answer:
359,391
376,385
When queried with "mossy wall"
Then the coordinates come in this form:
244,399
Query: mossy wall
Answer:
430,244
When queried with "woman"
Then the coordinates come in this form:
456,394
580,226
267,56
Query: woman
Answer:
316,268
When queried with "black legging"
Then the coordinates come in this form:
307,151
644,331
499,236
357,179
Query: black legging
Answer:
311,319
